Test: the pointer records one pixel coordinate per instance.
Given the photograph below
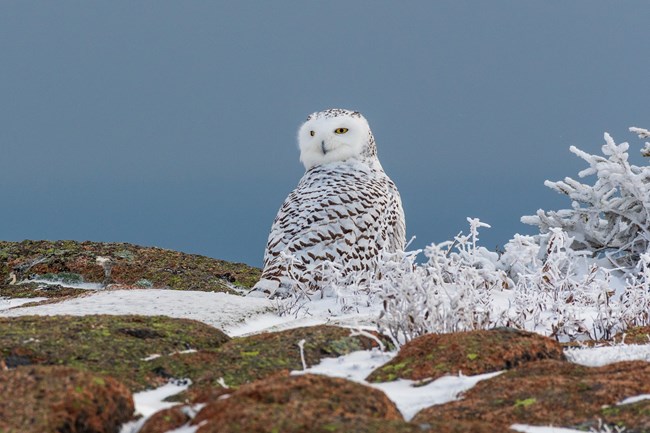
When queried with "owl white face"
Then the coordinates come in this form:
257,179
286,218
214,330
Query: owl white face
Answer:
333,135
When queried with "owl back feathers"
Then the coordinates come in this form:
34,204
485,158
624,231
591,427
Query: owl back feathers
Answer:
343,212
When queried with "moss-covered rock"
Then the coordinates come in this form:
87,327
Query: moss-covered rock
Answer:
33,290
246,359
475,352
634,417
44,399
552,392
118,346
166,420
635,335
293,404
119,263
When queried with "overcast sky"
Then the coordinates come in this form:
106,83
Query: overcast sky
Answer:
173,124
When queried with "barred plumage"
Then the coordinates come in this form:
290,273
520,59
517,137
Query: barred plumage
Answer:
344,210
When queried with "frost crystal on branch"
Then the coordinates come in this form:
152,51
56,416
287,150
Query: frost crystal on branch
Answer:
565,296
643,133
451,292
610,218
636,297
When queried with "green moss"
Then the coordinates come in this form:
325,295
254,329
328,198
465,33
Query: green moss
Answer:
389,377
109,345
247,359
525,402
396,367
582,386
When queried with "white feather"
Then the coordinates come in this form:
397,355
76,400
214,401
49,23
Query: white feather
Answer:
345,209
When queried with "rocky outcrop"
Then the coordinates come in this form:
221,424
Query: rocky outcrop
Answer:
288,404
552,392
434,355
118,264
119,346
246,383
44,399
76,374
247,359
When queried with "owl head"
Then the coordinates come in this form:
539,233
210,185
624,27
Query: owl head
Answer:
335,135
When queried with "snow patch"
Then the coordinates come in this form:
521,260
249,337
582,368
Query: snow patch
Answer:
149,402
634,399
410,399
407,396
221,310
599,356
7,303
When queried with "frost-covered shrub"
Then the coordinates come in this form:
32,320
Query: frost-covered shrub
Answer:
451,292
635,298
463,286
521,256
612,217
310,282
565,296
554,290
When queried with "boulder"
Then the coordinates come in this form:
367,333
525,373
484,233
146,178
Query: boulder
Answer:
119,346
552,392
431,356
44,399
296,404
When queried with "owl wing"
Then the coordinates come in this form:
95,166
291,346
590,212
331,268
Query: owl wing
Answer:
395,220
342,217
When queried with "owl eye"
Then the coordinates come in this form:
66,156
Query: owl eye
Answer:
340,130
312,133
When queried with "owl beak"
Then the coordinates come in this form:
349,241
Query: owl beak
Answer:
322,146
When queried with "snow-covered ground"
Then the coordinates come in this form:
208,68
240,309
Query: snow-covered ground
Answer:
220,310
235,315
7,303
238,315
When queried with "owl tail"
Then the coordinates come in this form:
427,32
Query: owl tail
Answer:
264,288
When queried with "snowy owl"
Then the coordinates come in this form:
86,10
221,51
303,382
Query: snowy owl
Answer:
345,209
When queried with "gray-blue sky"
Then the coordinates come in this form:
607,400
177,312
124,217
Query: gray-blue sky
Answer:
173,123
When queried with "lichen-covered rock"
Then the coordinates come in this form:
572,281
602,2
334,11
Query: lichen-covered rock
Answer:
293,404
118,263
34,290
44,399
166,420
246,359
555,393
635,335
634,417
632,335
474,352
365,425
118,346
463,426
